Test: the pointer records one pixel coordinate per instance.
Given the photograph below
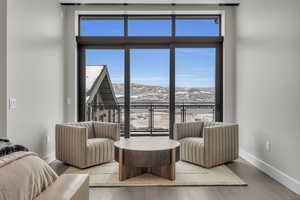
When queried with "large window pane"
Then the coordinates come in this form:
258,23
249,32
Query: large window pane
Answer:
149,27
105,86
149,90
195,84
101,27
197,27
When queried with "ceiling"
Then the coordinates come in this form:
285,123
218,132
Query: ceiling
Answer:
152,1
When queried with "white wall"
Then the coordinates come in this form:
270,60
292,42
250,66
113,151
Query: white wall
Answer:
71,56
35,72
268,82
3,9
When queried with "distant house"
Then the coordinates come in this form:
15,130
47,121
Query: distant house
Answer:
101,101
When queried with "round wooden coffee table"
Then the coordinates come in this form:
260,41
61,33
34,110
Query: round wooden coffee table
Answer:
153,155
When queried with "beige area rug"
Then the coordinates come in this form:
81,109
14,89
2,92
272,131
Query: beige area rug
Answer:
106,175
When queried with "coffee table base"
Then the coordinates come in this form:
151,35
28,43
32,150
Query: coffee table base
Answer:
168,171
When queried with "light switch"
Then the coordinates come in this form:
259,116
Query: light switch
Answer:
268,146
47,139
12,103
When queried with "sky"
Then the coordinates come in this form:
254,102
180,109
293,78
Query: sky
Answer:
195,67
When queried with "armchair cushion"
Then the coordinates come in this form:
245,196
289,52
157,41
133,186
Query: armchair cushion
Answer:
192,149
99,150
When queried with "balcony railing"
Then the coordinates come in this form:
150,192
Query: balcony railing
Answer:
152,118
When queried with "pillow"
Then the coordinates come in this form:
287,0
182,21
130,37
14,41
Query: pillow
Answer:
6,147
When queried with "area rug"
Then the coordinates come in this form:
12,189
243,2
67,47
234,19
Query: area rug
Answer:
106,175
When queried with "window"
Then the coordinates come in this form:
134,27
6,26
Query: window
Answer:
95,26
159,70
197,26
151,26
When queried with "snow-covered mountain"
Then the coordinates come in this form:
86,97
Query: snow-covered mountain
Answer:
157,94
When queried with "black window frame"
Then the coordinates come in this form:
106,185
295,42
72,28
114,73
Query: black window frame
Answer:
150,42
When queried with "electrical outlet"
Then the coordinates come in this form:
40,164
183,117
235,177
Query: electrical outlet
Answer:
268,146
12,103
69,101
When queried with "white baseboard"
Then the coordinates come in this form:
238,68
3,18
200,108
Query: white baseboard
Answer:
49,158
278,175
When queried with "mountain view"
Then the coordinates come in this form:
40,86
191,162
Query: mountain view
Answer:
158,94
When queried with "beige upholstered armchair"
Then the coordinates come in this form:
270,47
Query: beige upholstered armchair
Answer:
85,144
208,144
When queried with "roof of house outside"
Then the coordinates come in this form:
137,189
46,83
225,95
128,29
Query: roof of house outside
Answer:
98,81
91,74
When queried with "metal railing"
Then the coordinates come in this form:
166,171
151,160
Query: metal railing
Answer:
150,117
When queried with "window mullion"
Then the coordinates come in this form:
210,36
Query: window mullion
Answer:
126,26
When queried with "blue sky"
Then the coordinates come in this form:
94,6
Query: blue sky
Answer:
184,27
195,68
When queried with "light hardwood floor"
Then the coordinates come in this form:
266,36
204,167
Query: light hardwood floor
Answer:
260,187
